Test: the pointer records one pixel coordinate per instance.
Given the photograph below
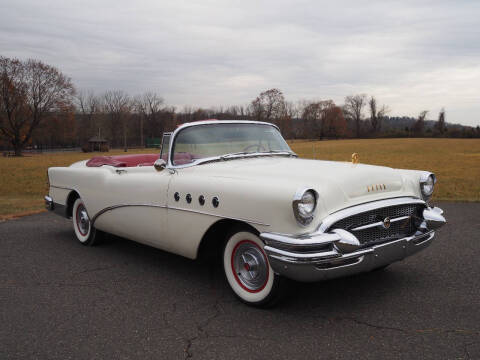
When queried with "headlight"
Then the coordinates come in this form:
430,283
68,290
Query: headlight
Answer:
304,204
427,184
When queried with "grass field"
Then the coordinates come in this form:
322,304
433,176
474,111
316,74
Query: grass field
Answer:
456,162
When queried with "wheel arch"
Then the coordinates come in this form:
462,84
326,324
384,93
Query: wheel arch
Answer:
72,196
211,243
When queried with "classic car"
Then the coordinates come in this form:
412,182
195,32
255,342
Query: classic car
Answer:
235,190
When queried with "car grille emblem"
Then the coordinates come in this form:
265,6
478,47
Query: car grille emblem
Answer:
386,223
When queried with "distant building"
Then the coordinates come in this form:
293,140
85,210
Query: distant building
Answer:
97,143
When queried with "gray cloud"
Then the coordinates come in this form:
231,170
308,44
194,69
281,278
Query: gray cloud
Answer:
412,55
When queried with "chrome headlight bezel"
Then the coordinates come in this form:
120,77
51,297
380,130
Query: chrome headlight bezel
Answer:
427,185
300,198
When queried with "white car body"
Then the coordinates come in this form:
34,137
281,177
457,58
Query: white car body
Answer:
138,203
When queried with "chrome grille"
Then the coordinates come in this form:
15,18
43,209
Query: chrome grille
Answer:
379,234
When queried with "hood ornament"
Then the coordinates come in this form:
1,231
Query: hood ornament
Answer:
355,158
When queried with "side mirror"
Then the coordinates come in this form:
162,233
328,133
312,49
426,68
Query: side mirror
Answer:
159,164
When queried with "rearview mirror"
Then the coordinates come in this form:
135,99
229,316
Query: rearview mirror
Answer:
159,164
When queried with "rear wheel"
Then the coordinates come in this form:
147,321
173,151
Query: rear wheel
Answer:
248,271
82,226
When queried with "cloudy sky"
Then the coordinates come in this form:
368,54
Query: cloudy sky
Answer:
412,55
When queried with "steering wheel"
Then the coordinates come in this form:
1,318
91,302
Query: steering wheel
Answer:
258,146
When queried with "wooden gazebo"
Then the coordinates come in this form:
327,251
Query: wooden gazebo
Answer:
97,143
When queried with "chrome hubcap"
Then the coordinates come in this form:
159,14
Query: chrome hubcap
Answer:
83,221
250,266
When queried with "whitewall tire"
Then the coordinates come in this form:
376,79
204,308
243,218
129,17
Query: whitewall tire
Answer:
82,225
248,271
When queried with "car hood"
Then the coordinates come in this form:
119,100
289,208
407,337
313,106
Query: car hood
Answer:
339,184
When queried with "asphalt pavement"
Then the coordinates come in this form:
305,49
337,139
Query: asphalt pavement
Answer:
122,300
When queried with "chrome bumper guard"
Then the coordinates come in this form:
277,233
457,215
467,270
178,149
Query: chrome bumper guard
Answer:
58,209
49,205
321,256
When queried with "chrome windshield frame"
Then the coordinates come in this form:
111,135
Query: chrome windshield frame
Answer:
222,157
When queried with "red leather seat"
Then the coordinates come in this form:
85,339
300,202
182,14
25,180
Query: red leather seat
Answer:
123,160
137,160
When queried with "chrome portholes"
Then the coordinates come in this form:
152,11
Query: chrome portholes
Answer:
201,199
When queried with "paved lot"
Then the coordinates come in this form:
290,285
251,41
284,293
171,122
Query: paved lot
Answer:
61,300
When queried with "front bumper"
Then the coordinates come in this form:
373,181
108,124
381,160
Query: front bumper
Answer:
322,256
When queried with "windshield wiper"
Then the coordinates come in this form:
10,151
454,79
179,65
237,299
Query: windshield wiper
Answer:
257,153
279,152
228,156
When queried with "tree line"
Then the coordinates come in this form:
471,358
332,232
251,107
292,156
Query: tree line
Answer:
40,107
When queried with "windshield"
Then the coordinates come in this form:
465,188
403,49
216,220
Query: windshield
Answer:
215,140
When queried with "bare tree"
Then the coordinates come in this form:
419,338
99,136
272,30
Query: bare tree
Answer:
353,108
149,106
334,124
292,112
376,116
440,125
89,106
314,115
29,91
269,106
419,126
117,104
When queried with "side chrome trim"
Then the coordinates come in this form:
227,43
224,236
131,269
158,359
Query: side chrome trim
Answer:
357,209
113,207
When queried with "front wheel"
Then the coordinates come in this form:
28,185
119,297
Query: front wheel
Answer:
248,271
82,225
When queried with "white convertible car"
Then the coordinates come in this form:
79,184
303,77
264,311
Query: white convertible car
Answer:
235,189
